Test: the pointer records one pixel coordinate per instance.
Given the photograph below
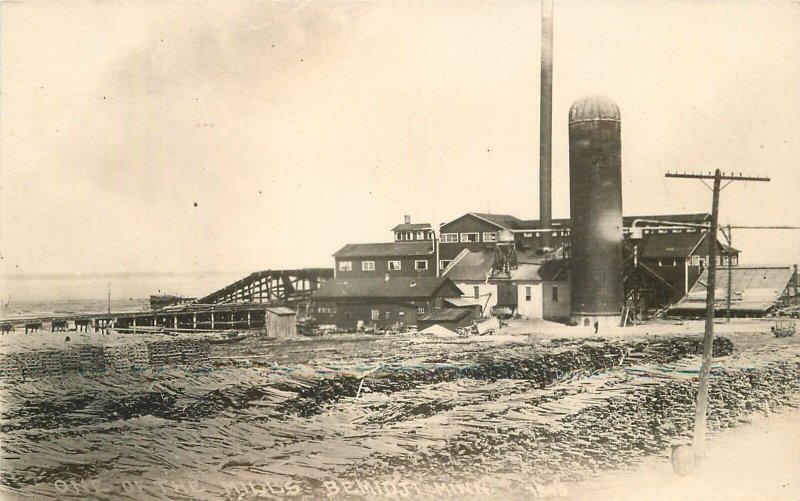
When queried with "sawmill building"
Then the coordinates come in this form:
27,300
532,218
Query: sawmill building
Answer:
350,303
412,254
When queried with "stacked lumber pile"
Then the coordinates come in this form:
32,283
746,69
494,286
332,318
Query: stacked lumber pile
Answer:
306,326
97,358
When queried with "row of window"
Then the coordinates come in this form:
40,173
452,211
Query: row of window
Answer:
420,264
469,237
723,260
489,236
699,261
376,314
411,235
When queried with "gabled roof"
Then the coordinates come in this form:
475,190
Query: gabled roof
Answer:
472,266
754,289
464,302
510,222
394,288
506,221
678,245
699,218
392,249
412,227
500,221
446,315
671,244
535,224
477,266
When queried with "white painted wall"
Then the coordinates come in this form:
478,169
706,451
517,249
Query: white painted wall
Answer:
487,293
533,308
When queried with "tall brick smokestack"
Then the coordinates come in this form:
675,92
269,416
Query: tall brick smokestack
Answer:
546,123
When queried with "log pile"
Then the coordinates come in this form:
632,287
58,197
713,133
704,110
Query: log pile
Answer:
564,410
640,418
541,368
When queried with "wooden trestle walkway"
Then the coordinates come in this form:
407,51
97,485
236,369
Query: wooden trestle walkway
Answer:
240,305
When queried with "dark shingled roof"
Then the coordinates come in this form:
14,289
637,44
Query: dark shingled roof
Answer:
476,266
671,244
412,227
393,249
446,315
502,220
677,245
379,287
699,218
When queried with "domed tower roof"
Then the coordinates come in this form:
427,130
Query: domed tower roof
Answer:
591,108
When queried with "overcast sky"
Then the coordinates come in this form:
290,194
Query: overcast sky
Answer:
236,136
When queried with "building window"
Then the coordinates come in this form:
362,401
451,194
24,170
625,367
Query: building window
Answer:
716,260
345,266
420,235
695,261
376,315
430,235
449,237
368,266
421,309
555,294
734,260
398,236
326,309
490,237
476,292
527,293
666,261
554,234
395,265
409,235
444,263
469,237
421,264
527,234
387,315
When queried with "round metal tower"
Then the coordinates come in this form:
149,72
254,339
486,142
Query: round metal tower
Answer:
595,175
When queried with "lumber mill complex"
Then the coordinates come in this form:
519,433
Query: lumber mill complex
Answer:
597,268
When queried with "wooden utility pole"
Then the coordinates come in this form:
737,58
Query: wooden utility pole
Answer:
701,411
109,298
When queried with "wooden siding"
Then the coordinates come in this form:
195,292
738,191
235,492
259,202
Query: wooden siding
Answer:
347,313
280,326
407,267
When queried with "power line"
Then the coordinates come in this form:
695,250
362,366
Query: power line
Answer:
701,411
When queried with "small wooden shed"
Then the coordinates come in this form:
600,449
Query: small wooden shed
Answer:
281,322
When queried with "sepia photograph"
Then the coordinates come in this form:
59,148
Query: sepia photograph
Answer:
380,250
